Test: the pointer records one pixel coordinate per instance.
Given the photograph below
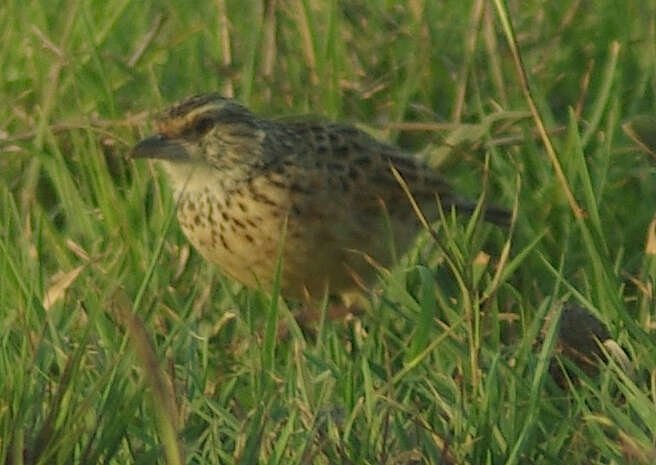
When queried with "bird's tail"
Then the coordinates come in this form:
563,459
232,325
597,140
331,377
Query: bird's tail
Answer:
497,215
492,213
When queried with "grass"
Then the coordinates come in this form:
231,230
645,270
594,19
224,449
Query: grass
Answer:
119,344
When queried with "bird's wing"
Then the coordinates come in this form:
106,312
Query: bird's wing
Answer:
327,159
362,165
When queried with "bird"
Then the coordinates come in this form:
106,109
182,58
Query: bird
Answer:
318,197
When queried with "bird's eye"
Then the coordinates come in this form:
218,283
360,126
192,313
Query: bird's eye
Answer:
204,124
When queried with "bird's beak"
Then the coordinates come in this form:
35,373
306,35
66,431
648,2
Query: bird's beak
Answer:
158,146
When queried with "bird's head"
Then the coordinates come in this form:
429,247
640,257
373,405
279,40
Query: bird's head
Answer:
206,132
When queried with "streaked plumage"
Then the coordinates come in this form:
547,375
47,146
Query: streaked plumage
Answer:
238,177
